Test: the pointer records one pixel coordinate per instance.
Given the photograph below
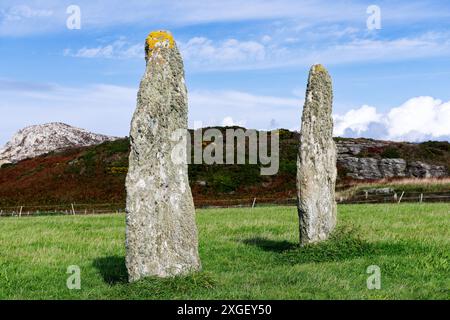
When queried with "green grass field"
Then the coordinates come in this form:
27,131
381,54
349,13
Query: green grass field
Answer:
246,254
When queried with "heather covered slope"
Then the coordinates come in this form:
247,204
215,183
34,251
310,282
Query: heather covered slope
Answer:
96,174
74,175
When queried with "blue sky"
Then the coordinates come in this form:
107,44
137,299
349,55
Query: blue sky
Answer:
246,63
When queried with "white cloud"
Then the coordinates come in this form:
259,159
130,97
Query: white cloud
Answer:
99,108
266,39
97,14
169,14
229,122
361,50
252,111
357,120
198,51
418,119
21,12
118,49
240,99
203,54
229,51
105,52
21,19
108,109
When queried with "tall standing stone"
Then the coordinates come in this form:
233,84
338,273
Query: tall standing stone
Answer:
316,166
161,235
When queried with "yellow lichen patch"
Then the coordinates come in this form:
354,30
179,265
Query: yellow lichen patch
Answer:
156,37
319,68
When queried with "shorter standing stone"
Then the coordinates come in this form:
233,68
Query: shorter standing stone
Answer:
316,166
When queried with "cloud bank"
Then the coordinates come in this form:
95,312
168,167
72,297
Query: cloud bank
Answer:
27,16
108,109
418,119
271,51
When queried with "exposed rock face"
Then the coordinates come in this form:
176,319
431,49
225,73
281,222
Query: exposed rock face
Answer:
37,140
353,147
422,170
161,230
371,168
316,167
367,168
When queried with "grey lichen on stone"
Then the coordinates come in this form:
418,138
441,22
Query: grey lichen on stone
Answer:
316,166
161,234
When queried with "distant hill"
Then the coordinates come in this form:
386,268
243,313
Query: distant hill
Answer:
36,140
96,174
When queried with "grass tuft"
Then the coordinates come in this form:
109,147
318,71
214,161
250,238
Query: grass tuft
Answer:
345,243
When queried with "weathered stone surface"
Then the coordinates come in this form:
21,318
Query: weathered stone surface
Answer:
357,166
161,236
423,170
371,168
380,191
316,167
354,147
361,167
391,168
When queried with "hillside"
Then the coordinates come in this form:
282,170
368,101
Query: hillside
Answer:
96,174
40,139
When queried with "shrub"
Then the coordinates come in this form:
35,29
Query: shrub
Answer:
391,153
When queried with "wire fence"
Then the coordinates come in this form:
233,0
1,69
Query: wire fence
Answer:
63,209
119,208
397,197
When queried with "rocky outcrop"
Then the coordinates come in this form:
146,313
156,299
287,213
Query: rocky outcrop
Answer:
316,166
371,168
356,166
37,140
161,236
419,169
353,147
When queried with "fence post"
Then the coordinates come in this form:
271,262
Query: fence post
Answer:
421,197
254,201
73,209
20,212
401,197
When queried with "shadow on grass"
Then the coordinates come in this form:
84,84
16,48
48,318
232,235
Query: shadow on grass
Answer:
114,272
112,269
271,245
345,243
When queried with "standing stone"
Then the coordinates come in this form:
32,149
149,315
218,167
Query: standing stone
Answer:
316,165
161,235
